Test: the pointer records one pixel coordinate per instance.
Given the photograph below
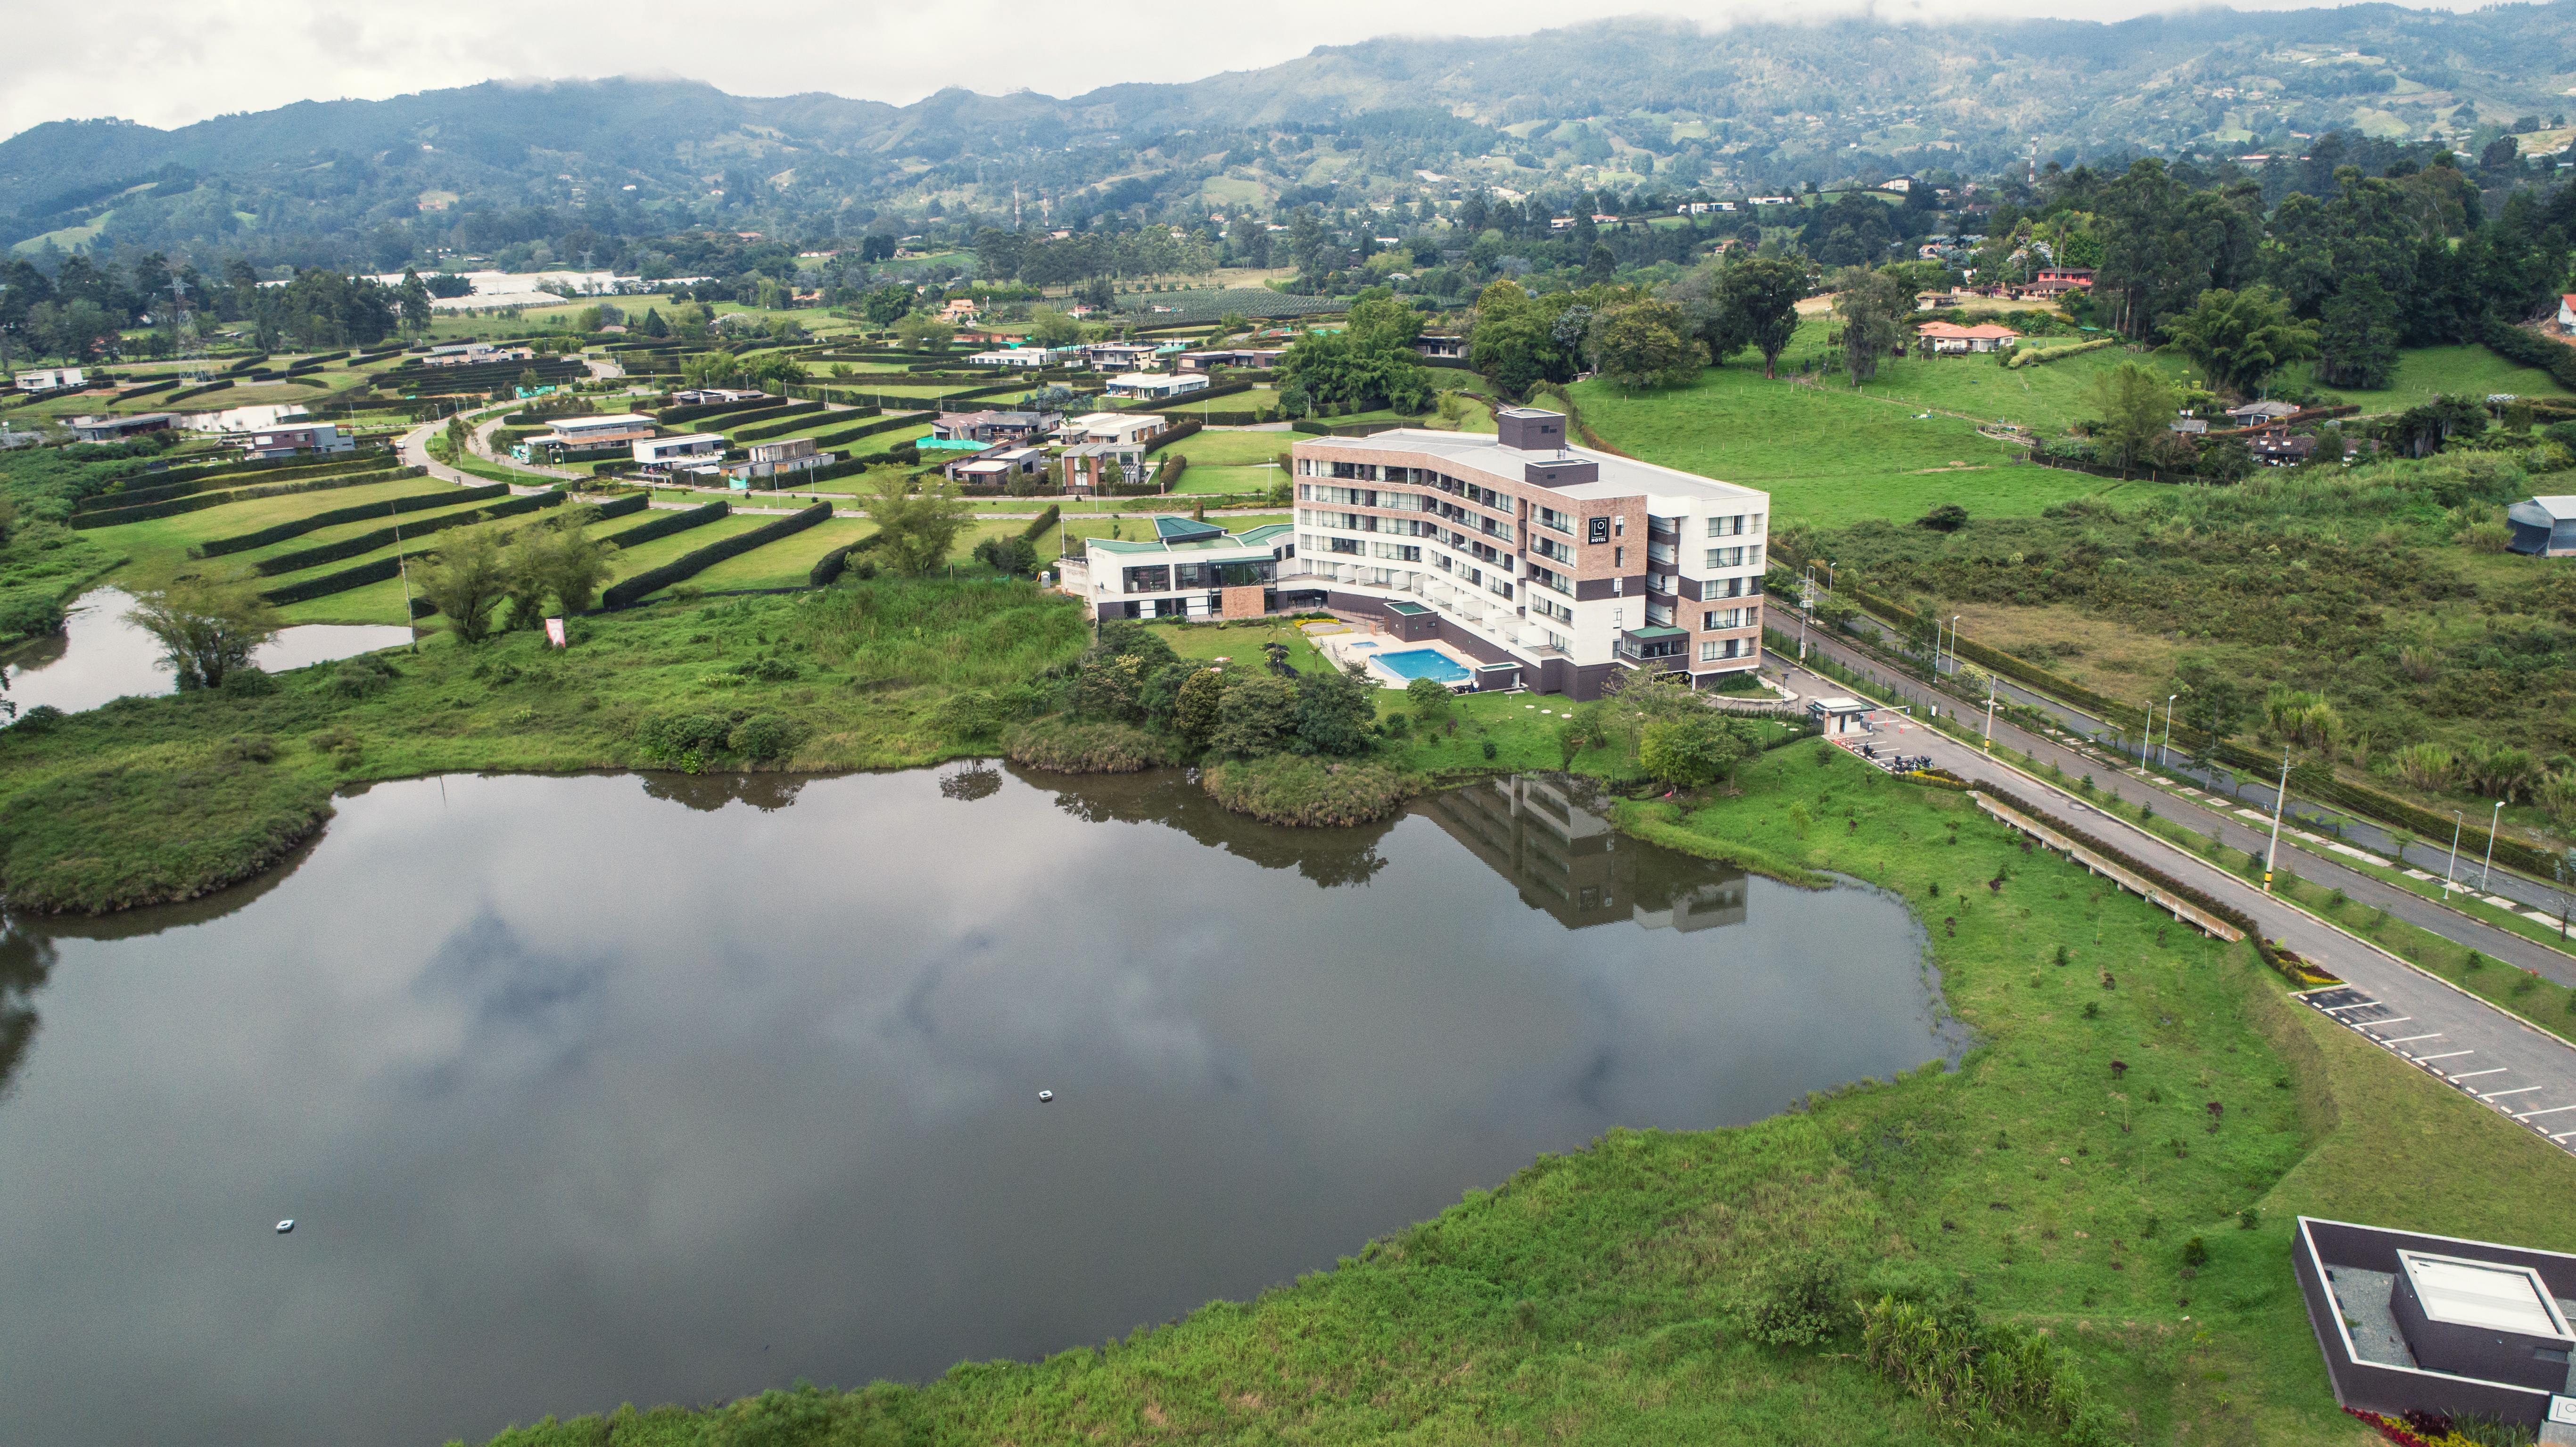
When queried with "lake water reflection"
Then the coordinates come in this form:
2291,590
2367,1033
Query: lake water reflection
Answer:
99,656
580,1097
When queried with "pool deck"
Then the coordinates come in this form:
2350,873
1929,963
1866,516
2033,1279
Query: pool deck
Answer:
1365,650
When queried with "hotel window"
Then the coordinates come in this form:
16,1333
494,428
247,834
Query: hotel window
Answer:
1399,552
1500,589
1559,642
1726,557
1708,651
1618,617
1343,545
1562,522
1552,550
1726,527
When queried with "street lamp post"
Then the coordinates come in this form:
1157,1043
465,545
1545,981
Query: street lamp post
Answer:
2163,750
2488,868
2450,868
1990,713
2280,806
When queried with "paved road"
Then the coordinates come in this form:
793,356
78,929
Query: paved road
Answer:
2503,888
2310,857
2516,1070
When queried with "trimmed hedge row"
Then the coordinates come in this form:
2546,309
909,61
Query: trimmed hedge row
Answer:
113,516
668,523
368,542
696,410
803,414
275,468
186,392
298,527
148,388
1172,434
829,567
339,582
627,592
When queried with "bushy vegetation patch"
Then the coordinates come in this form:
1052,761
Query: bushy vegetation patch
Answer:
1072,746
1308,791
163,823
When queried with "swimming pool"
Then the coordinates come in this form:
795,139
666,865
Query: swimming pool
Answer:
1425,663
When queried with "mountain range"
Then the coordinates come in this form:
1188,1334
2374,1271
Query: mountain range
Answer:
1622,104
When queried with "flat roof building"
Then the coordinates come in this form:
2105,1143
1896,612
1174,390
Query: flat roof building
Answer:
1188,569
51,379
1157,385
655,451
318,438
117,429
1576,565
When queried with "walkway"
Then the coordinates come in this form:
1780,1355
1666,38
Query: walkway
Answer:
2514,1068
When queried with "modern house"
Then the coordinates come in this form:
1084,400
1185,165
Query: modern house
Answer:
1090,466
958,311
2544,527
662,452
1126,428
994,426
701,396
2279,447
1440,344
1158,386
1188,569
599,436
52,379
118,429
1952,339
996,468
473,354
319,438
1025,358
2416,1323
1117,356
1209,361
1558,566
2566,314
773,459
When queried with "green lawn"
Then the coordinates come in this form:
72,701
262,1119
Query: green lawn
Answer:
1826,455
2425,372
2045,398
1256,478
785,563
159,548
1230,448
374,603
630,561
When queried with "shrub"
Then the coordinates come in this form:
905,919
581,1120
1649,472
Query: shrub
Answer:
1798,1303
1304,790
672,738
247,682
766,736
1065,746
360,676
39,719
2195,1253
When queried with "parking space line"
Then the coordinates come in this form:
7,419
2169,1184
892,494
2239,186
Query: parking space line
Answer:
2517,1090
2403,1039
2553,1110
2474,1074
2445,1055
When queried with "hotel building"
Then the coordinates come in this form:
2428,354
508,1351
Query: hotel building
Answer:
1554,566
1547,566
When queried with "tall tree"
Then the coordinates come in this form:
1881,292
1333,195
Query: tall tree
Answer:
1759,303
2242,337
1872,307
2357,337
2135,408
207,629
918,528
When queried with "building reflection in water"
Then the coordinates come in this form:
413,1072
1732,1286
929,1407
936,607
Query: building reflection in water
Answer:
1551,837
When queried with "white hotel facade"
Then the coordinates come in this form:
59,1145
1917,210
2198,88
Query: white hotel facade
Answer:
1548,566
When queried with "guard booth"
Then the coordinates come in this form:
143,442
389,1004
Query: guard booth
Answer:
1838,716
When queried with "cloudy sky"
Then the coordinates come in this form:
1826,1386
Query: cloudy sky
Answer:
168,64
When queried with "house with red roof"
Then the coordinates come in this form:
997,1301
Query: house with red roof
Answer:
1949,338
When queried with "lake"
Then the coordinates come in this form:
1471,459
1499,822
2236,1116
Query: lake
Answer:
99,656
658,1088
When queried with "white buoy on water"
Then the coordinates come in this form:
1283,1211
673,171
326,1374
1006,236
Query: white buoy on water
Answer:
1043,1097
286,1225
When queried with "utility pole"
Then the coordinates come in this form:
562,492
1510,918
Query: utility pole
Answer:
2280,806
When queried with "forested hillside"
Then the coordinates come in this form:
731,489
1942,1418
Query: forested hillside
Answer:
1620,104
